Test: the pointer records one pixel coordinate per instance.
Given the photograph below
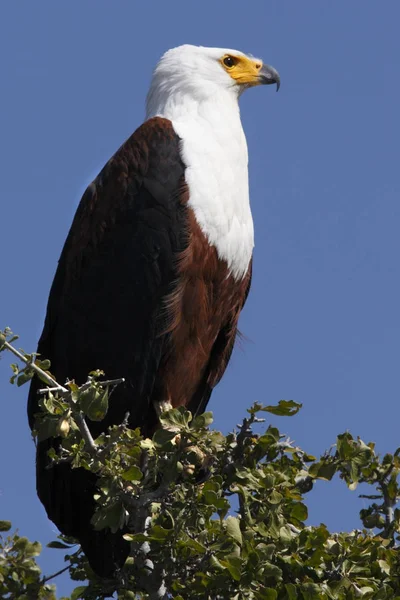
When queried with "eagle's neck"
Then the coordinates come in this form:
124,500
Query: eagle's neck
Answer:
214,151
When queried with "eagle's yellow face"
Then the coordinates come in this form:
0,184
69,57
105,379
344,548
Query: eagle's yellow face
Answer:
246,70
242,69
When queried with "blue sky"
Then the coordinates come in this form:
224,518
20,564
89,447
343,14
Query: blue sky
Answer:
322,321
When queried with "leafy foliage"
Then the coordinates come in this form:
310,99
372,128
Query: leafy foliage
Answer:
19,572
213,516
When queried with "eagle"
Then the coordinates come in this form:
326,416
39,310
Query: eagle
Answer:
155,270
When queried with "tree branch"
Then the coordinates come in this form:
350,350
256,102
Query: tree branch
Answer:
30,363
50,577
85,433
54,386
82,388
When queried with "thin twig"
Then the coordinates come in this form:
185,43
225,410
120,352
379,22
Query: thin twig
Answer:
32,365
111,382
49,577
85,386
388,504
85,433
58,388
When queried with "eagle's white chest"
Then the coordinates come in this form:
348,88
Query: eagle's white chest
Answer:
214,151
215,155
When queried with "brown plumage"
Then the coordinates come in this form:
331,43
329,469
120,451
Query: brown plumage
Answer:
203,312
141,294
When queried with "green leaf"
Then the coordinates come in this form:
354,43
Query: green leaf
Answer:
195,545
112,516
272,571
5,525
46,427
159,533
96,374
311,591
43,364
176,417
299,511
286,535
214,562
291,591
267,551
210,497
284,408
132,474
71,385
255,408
48,402
384,566
58,545
267,594
24,377
94,403
222,505
202,421
33,549
213,485
234,566
367,590
162,437
129,595
344,445
147,444
275,497
78,592
233,529
322,470
21,544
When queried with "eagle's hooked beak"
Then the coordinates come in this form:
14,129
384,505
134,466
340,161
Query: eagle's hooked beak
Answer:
268,75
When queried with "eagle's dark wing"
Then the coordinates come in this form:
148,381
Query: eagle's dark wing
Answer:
105,309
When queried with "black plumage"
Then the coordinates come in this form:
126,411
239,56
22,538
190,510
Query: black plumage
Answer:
117,265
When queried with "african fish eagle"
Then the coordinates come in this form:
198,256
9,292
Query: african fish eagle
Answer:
155,269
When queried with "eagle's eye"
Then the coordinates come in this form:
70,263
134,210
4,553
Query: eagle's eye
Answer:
229,61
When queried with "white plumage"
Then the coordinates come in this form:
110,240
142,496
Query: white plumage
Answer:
193,91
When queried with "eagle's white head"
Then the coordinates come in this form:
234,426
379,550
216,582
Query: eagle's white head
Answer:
197,89
197,73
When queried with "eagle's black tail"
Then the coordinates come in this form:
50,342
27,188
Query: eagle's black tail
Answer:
67,495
